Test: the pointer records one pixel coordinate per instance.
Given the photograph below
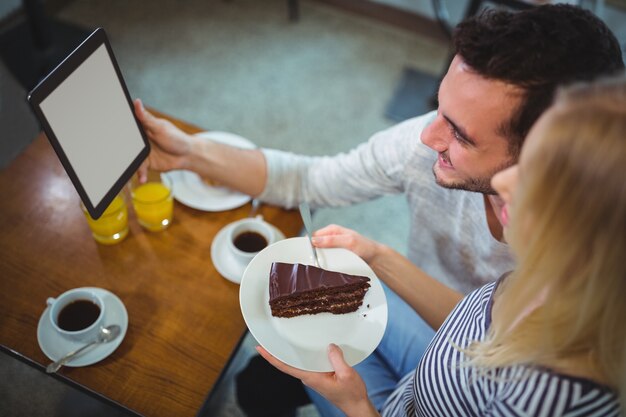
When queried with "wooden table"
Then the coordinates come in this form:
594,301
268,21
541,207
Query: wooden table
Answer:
184,318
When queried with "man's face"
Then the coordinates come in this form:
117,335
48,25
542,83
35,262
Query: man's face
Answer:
468,130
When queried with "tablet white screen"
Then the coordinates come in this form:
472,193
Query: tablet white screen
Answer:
90,117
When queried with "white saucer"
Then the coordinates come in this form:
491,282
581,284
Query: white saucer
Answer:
225,262
190,190
55,346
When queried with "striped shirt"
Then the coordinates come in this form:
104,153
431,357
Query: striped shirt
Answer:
442,386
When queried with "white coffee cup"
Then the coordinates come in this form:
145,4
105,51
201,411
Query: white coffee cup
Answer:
77,314
248,237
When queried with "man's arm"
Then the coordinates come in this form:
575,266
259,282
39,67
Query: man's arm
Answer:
240,169
243,170
372,169
366,172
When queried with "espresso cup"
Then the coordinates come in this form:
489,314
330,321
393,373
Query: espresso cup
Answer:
77,314
248,237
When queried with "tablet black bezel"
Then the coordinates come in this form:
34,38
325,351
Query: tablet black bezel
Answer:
51,82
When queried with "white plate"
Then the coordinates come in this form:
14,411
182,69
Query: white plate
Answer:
225,262
302,341
190,190
55,346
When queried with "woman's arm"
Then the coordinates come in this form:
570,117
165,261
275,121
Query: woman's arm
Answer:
344,387
432,300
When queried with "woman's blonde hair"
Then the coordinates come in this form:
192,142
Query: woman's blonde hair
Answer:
568,233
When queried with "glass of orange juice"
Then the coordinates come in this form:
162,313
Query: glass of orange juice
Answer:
112,226
153,202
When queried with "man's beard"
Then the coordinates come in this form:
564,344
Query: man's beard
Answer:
478,185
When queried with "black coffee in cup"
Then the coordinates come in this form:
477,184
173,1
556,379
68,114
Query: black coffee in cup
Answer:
78,315
249,241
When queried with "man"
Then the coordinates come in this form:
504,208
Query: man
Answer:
506,69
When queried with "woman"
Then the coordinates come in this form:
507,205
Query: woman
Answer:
548,339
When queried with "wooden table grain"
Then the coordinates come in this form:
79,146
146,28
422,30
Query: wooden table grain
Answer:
184,318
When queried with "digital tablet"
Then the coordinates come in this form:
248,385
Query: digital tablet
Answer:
84,108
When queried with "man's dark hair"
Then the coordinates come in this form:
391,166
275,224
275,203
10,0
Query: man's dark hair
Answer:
538,50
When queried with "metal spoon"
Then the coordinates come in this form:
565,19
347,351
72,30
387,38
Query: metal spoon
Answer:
305,213
256,203
105,335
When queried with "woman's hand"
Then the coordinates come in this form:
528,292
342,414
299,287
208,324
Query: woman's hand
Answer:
170,146
343,387
333,236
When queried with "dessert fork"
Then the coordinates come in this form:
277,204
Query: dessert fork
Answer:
305,213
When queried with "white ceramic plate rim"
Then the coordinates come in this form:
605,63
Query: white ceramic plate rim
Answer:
302,341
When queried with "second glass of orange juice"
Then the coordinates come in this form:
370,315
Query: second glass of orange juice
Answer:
153,203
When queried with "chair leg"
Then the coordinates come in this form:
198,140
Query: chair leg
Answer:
293,8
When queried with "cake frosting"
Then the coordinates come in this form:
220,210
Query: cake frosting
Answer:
297,289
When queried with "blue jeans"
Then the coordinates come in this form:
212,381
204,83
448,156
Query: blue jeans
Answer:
406,338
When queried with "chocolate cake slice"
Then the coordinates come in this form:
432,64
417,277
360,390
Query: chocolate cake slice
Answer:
297,289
